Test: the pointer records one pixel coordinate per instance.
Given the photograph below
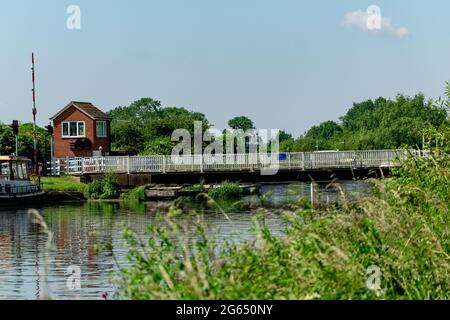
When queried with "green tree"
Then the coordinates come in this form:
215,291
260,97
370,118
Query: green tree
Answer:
284,136
325,131
145,127
139,111
26,144
379,124
173,118
6,140
242,123
126,135
159,146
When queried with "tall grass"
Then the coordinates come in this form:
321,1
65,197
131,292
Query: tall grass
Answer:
226,190
404,230
62,183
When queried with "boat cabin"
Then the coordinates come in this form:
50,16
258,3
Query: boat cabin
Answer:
15,175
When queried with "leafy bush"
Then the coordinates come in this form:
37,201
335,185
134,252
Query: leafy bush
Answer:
227,190
107,188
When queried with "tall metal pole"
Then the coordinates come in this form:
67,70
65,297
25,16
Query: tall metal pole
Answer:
17,145
34,116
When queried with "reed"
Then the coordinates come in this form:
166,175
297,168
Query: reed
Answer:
403,229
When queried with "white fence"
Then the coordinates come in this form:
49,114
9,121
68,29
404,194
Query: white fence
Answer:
234,162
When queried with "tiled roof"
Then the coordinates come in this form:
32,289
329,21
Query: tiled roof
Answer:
85,107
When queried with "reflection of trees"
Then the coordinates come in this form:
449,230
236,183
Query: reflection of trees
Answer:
15,245
75,234
5,249
77,230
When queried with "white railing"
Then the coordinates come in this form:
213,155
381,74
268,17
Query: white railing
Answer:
234,162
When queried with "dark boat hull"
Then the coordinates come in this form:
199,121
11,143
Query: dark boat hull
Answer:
19,200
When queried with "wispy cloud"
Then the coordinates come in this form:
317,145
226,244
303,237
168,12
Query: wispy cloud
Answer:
359,19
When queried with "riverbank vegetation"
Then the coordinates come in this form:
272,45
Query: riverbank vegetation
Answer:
225,191
137,193
401,234
62,183
106,188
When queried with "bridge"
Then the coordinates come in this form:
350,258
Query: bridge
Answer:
260,166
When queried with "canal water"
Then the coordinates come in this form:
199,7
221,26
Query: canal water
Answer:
79,227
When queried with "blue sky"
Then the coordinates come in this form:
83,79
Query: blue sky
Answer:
285,64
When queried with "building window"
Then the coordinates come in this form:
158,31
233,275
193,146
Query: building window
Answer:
73,129
101,129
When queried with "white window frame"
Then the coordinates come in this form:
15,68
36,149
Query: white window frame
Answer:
78,129
105,128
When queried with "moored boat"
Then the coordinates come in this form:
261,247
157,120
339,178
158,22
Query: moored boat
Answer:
16,186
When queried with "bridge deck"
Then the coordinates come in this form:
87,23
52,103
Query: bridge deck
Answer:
234,163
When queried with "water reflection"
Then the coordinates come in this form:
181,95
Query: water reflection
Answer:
78,228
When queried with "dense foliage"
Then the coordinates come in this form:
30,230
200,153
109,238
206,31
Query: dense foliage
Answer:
145,127
379,124
105,188
241,123
8,141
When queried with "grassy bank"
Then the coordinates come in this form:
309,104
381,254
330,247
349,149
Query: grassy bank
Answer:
104,189
62,183
401,236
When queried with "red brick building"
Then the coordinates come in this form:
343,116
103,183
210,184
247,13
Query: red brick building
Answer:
81,130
